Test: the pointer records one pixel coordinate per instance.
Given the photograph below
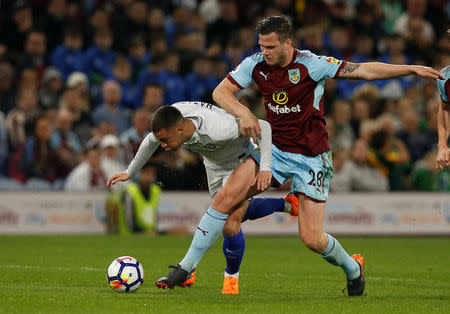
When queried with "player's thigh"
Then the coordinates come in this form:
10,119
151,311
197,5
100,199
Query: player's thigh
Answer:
238,184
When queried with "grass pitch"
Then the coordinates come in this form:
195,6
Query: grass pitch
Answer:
66,274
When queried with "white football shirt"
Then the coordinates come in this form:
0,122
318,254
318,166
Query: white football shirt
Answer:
217,137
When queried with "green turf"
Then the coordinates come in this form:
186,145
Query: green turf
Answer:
65,274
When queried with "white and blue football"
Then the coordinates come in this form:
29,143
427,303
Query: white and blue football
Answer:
125,274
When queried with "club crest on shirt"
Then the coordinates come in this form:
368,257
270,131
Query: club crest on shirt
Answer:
294,75
211,147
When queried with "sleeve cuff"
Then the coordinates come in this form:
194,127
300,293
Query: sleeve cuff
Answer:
339,69
232,80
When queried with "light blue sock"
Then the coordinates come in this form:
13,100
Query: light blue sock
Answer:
208,230
336,255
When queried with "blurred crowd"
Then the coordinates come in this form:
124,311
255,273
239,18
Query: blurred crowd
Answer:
79,81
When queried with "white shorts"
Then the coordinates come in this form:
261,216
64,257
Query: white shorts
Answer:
217,178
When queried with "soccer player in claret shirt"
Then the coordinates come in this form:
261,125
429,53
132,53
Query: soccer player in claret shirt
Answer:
443,156
292,82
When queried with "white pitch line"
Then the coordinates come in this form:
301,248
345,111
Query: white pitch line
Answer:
58,268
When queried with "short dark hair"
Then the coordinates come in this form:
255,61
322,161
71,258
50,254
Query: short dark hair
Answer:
165,117
279,25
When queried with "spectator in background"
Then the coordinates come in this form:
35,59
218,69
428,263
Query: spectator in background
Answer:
153,97
174,84
7,91
341,176
427,177
132,138
356,174
17,25
21,117
344,135
154,74
98,20
248,41
392,10
112,156
339,43
233,54
134,22
138,56
360,113
75,99
222,29
37,159
156,20
390,157
54,23
415,13
88,175
99,59
200,81
416,141
141,201
110,111
69,57
310,38
122,74
28,80
177,23
34,55
65,141
52,86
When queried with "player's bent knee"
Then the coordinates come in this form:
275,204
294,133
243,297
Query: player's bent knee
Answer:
224,199
231,228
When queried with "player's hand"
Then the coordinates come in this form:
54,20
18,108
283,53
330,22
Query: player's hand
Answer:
443,158
426,72
263,180
121,176
250,126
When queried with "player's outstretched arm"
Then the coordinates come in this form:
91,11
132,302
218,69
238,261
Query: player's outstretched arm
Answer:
223,95
380,71
443,156
145,151
118,177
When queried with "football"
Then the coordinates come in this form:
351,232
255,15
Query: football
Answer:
125,274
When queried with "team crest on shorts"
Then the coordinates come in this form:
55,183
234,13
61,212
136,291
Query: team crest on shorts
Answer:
294,75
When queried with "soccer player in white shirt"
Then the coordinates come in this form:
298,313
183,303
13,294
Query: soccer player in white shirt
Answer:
215,134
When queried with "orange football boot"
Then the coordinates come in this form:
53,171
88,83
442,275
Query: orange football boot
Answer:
230,285
293,200
189,282
356,286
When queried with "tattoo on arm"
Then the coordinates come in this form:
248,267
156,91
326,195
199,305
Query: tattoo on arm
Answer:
350,68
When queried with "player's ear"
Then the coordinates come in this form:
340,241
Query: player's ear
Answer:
288,42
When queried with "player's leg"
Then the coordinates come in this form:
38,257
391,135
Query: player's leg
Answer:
212,223
233,249
311,184
260,207
310,224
